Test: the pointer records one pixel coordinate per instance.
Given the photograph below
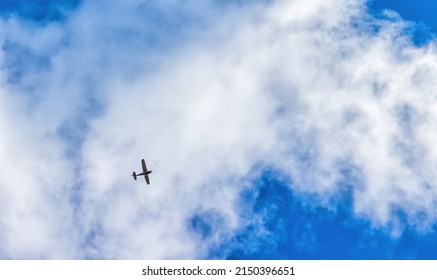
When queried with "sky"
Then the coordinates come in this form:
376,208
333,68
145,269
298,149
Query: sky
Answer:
275,129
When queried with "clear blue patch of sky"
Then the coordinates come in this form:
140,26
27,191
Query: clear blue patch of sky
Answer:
38,10
422,12
294,227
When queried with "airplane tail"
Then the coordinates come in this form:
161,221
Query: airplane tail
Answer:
134,175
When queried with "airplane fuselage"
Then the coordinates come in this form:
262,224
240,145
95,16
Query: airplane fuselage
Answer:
145,173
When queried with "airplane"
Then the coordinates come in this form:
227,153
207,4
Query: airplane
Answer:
145,172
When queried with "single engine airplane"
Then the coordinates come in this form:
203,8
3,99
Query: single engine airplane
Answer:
145,172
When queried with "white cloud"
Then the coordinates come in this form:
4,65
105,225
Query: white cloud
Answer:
290,84
36,216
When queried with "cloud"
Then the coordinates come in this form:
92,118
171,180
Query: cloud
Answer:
320,91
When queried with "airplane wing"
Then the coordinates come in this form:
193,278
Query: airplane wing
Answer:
143,162
147,179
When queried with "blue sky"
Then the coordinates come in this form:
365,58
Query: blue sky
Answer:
285,129
421,12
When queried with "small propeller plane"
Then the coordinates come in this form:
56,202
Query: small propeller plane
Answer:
145,172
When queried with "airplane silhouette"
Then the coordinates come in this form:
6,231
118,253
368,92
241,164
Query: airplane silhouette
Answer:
145,172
